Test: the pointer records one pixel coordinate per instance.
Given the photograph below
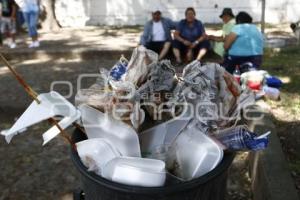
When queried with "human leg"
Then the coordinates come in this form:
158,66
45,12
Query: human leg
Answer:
230,62
189,55
12,33
165,50
7,30
31,19
177,55
202,52
202,49
155,46
177,50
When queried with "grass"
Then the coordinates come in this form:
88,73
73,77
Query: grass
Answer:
285,64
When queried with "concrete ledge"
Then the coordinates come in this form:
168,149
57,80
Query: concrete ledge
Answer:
269,172
52,54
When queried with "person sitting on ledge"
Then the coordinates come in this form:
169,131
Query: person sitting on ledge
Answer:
190,38
228,19
157,33
244,44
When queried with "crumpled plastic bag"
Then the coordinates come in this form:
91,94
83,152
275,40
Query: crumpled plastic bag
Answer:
99,95
160,82
160,78
241,139
216,89
139,65
110,96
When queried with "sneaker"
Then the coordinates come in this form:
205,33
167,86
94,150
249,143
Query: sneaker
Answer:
31,45
36,44
13,45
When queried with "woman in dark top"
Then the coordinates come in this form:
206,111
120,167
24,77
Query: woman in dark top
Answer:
190,38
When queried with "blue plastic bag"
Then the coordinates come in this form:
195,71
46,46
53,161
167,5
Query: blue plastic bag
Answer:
274,82
240,139
119,69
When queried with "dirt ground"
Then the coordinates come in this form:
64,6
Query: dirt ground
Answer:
30,171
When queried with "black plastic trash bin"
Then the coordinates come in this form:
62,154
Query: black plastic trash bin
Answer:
211,186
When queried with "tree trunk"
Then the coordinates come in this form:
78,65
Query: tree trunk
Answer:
49,22
263,15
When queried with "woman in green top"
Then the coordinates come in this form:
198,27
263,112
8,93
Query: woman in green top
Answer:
227,17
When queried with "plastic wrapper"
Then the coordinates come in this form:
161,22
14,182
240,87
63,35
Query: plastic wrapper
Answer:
271,93
119,69
161,80
241,139
112,95
274,82
139,65
214,89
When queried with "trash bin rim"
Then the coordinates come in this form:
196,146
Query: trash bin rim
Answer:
221,168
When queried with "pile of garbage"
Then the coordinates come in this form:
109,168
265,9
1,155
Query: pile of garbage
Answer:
192,119
143,119
259,81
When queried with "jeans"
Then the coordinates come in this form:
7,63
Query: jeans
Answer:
31,19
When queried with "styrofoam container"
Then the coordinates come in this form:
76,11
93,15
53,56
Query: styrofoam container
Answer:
96,153
193,154
101,125
162,135
136,171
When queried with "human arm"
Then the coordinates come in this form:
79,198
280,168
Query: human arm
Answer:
229,40
145,34
216,38
181,39
203,36
171,24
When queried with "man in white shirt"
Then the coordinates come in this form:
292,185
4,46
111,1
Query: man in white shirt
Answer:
157,34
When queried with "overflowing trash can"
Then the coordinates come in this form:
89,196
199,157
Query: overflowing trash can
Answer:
211,186
144,132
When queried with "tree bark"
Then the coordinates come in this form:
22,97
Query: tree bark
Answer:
48,18
263,15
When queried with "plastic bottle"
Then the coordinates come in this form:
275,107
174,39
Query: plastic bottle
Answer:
237,74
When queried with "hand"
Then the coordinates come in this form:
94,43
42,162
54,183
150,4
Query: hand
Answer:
205,36
187,43
209,37
193,45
